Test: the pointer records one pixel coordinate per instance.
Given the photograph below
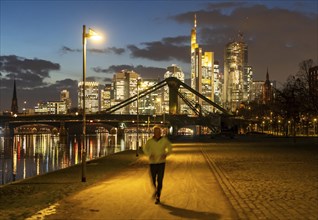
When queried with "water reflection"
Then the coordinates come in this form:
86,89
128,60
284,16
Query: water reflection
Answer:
30,154
34,154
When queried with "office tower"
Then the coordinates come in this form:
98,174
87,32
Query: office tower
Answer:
51,107
207,80
236,74
150,104
125,86
65,97
91,97
105,97
202,67
256,91
14,103
196,59
247,82
173,71
218,83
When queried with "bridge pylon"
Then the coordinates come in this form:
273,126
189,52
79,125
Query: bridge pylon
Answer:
174,86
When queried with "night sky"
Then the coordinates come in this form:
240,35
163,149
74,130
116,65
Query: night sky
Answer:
41,41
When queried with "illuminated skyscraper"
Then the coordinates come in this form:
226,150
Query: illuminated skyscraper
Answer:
125,86
105,97
202,76
237,74
51,108
151,103
91,96
218,83
65,97
247,82
257,91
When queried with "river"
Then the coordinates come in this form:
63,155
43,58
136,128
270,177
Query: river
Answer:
35,154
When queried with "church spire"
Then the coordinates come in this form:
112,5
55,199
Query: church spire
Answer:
14,103
267,90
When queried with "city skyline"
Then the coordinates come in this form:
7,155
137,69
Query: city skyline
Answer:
43,51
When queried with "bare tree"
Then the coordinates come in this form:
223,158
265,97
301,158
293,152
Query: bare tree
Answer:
309,96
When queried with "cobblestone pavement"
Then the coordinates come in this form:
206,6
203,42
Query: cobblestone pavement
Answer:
267,180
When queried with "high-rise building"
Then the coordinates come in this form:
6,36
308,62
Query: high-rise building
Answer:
150,104
65,97
51,108
202,70
124,87
207,80
247,82
218,84
91,97
256,91
105,97
237,74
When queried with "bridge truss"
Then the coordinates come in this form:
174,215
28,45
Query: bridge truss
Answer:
212,120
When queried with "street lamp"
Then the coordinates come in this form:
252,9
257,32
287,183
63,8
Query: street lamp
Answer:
137,144
24,107
91,34
315,125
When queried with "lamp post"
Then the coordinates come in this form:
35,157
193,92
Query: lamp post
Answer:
137,143
315,125
24,107
90,34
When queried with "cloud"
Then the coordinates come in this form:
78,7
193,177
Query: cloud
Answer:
277,38
224,5
32,72
114,50
107,80
144,71
44,93
66,84
108,50
94,79
168,49
66,49
113,69
30,76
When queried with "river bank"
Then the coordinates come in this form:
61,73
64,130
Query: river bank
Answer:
19,199
246,177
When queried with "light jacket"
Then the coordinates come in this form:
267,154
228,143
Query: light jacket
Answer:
155,149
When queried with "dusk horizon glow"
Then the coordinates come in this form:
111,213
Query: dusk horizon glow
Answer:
40,42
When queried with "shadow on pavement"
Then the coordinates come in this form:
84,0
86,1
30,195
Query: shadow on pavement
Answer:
190,214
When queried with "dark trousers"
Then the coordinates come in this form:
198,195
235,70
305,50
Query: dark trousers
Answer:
157,171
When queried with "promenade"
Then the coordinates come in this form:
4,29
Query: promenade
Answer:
244,178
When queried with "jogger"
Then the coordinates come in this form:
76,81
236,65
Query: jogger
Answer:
157,148
157,173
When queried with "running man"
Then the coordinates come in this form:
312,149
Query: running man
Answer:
157,148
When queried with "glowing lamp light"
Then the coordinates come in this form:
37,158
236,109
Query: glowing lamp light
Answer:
93,35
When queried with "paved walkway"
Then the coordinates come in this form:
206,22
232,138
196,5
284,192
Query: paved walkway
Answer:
271,179
190,191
